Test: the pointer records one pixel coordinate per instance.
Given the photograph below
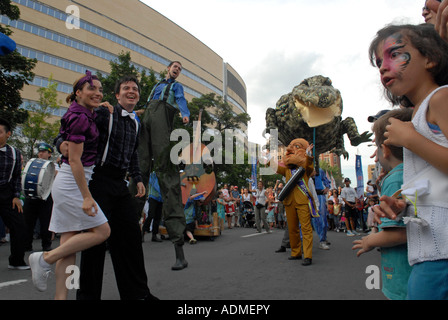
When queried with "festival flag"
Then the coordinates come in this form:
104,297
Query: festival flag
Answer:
253,176
359,177
333,182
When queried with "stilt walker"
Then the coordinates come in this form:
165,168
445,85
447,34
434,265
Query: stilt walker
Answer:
165,101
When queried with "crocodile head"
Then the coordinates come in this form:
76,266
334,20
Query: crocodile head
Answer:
317,101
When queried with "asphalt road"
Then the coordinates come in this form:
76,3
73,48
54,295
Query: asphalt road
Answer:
239,265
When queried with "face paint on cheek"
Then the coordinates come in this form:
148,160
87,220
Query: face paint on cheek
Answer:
404,60
387,50
398,63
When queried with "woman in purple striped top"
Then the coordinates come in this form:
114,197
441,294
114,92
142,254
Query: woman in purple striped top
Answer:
76,215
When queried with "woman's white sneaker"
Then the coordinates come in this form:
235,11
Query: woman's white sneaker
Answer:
39,273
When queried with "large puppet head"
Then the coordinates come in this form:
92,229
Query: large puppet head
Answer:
295,155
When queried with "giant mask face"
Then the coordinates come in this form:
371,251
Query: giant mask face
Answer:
295,155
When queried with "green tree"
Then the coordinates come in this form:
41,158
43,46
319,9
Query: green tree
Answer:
218,114
269,181
147,82
225,118
39,127
234,174
15,72
204,103
122,67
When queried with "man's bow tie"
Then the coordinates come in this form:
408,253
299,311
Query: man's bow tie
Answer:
131,115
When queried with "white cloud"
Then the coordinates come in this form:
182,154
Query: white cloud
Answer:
275,44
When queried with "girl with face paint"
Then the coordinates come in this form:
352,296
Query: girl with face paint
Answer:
413,65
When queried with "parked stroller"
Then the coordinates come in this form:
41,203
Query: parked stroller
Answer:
248,214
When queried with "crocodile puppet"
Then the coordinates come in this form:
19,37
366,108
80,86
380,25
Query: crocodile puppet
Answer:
312,111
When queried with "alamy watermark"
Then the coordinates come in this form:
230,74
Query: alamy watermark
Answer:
72,281
73,18
213,140
373,281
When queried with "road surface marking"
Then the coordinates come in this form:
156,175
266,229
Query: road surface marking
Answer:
11,283
255,234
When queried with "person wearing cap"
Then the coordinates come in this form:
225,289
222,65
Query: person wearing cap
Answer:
348,195
372,119
44,151
37,209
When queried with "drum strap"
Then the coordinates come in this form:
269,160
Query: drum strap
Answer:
111,122
14,156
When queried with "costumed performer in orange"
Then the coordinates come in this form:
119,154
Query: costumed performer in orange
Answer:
299,203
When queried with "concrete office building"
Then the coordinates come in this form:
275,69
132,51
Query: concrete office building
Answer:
65,46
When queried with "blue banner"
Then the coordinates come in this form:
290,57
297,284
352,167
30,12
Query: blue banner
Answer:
359,177
253,176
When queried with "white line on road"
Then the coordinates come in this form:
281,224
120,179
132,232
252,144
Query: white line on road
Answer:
254,234
11,283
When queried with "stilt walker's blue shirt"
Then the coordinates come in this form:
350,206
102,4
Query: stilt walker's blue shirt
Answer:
177,99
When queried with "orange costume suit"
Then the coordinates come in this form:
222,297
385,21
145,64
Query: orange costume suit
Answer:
297,203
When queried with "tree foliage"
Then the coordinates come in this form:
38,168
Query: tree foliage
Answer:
15,72
123,67
218,114
39,127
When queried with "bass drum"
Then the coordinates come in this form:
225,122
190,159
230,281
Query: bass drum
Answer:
37,178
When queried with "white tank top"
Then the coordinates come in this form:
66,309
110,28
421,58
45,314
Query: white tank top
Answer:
427,243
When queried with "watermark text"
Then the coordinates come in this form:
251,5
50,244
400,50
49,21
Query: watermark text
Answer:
73,18
233,152
72,281
374,278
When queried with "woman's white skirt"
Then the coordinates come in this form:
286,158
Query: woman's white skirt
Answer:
67,212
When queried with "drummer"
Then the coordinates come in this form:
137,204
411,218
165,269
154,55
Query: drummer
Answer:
36,208
10,205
